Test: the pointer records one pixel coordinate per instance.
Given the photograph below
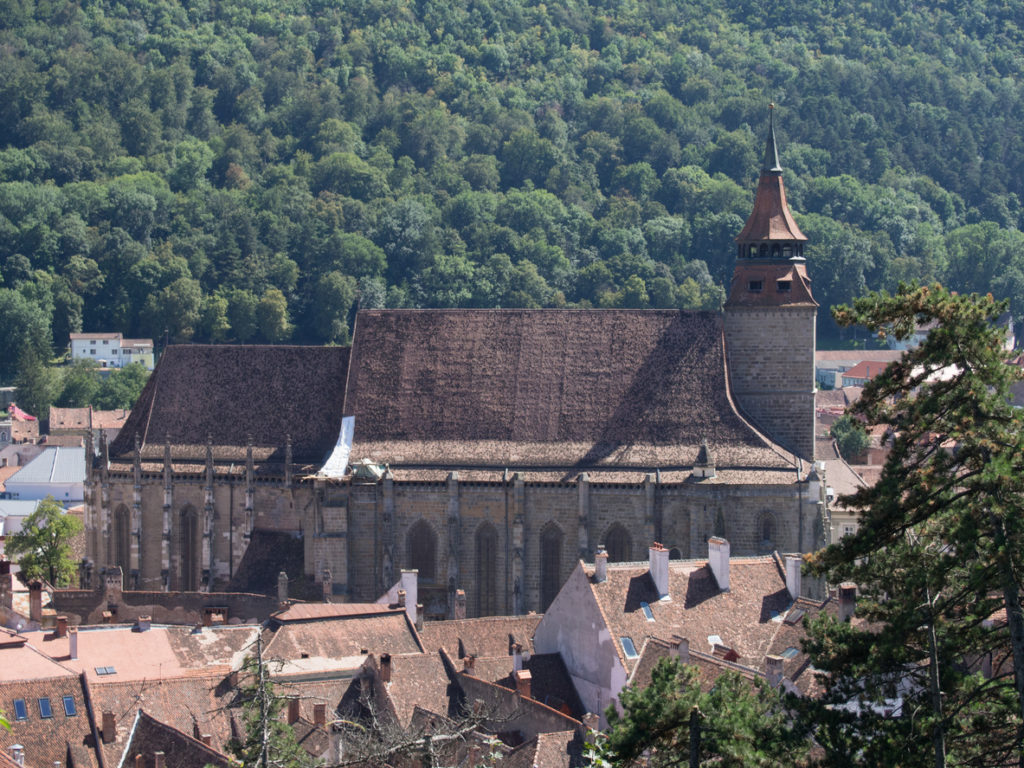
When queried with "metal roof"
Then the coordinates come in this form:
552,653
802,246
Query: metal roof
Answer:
53,465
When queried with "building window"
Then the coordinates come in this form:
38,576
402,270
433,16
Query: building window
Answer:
45,710
69,706
550,564
787,251
20,710
92,351
619,544
188,549
849,530
784,286
421,548
487,570
755,286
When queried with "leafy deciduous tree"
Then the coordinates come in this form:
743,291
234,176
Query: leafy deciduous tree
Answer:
42,547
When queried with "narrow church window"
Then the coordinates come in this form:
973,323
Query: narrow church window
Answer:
675,554
550,565
619,544
787,251
422,550
122,539
188,549
487,570
767,529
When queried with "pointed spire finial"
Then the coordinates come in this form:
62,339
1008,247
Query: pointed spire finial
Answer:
771,152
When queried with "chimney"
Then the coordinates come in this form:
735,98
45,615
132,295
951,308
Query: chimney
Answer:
793,563
327,584
467,663
773,670
144,623
282,587
17,753
600,565
158,760
718,559
207,739
385,667
847,600
460,604
320,714
401,598
109,729
658,557
523,682
293,710
139,761
517,657
410,583
419,617
681,650
591,722
62,626
73,643
35,601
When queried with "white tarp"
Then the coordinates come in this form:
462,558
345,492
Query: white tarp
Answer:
337,463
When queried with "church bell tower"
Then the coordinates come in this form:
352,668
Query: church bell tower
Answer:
770,317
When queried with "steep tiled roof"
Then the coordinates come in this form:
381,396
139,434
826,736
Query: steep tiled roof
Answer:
866,369
70,418
181,750
545,388
482,637
232,392
47,739
340,631
419,680
745,618
562,749
551,683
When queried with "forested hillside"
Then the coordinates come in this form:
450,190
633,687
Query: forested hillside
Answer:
246,170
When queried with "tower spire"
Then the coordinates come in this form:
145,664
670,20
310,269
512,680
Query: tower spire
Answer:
771,151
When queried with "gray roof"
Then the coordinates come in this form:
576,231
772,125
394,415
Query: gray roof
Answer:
53,465
18,507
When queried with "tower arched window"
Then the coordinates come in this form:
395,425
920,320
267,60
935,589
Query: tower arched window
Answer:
421,548
188,549
619,544
551,539
486,570
122,553
764,250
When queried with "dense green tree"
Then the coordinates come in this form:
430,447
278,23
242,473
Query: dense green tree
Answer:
122,387
38,384
81,384
23,324
739,722
937,554
272,317
850,436
43,546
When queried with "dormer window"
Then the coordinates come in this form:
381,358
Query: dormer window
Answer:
755,286
784,286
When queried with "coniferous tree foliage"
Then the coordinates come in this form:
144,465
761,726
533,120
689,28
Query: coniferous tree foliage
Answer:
932,673
224,171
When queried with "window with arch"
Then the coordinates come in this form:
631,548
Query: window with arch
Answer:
618,544
675,554
421,550
122,553
486,570
189,549
767,530
551,539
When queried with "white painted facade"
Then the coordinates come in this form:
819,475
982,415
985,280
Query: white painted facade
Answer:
111,350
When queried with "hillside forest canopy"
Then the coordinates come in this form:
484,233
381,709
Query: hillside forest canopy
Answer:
251,171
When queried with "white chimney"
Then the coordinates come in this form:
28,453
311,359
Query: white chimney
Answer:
847,600
773,670
17,753
718,560
600,566
658,557
793,563
681,650
73,642
410,583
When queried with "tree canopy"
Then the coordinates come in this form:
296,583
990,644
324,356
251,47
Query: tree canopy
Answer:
42,548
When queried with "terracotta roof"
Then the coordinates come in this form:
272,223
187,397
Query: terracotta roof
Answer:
149,736
19,415
199,391
317,611
338,635
854,356
771,218
866,369
491,636
551,684
48,739
70,418
114,419
419,680
746,618
545,389
562,749
87,336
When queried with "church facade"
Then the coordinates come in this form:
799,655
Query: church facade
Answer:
490,449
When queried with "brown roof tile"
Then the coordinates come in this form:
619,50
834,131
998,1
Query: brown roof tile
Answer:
69,418
771,218
419,680
232,392
562,749
544,388
491,636
181,750
340,635
47,740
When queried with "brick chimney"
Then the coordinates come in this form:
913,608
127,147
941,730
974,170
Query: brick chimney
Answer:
35,601
109,728
207,739
293,710
681,650
600,565
401,598
467,663
773,670
793,563
282,587
419,617
158,760
73,642
145,622
847,600
460,604
140,762
524,681
658,558
62,626
718,559
385,667
320,714
410,583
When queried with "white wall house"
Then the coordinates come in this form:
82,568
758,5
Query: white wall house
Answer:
111,350
57,472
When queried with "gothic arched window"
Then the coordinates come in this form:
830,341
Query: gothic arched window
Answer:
551,539
122,553
619,544
189,549
421,547
767,530
486,570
